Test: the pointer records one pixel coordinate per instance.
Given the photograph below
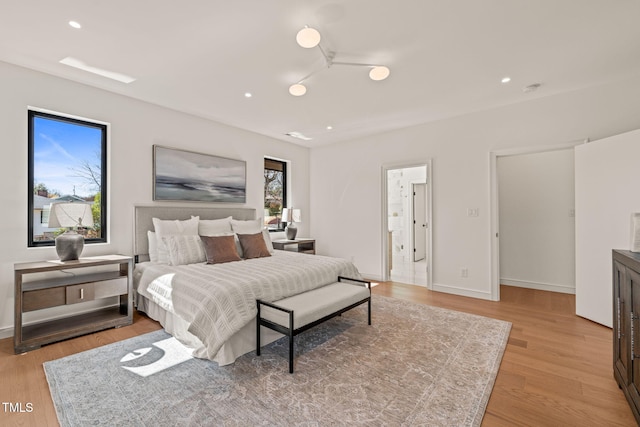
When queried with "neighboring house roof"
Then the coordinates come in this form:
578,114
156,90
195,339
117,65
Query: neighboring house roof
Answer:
39,202
68,198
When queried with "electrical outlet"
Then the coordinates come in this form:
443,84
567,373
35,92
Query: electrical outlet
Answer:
473,212
464,272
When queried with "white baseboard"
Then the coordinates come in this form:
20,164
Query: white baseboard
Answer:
6,332
372,276
539,286
455,290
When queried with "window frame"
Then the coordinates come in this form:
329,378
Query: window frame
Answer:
32,114
283,164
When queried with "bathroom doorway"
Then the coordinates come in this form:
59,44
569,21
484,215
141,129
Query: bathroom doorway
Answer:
407,224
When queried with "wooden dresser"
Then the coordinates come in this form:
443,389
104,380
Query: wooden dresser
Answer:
48,284
626,326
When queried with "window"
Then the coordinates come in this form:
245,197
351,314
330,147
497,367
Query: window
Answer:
67,164
275,193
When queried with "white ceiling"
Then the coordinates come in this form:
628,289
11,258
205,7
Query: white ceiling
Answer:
447,57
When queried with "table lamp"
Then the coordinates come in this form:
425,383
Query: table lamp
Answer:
291,216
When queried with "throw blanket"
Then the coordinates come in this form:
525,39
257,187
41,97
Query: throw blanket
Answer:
218,300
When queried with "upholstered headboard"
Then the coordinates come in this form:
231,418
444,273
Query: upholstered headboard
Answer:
143,221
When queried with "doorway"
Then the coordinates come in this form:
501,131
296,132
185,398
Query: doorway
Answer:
406,228
549,208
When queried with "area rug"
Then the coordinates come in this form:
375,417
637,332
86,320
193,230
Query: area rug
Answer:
415,365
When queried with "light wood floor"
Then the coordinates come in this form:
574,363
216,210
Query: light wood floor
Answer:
556,370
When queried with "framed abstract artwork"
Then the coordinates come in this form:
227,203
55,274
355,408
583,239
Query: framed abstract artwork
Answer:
181,175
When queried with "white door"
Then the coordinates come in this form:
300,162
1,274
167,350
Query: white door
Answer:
419,222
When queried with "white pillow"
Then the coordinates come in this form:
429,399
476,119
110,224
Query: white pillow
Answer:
184,249
214,227
267,240
165,228
251,226
153,246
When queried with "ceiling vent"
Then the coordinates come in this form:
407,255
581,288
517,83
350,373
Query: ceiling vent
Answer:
531,87
298,135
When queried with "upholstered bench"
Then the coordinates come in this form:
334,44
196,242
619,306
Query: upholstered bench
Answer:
296,314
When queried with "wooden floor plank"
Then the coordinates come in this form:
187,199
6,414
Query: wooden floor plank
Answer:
556,368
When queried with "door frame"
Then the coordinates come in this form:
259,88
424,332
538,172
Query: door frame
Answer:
412,221
385,215
495,206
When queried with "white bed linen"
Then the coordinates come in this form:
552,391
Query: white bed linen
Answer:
216,302
240,343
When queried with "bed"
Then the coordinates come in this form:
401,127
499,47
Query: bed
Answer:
211,308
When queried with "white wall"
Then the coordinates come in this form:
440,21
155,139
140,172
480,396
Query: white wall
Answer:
607,193
346,178
135,128
537,221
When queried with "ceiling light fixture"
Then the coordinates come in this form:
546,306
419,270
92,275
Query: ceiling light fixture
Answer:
506,79
297,89
76,63
379,73
75,24
248,95
309,38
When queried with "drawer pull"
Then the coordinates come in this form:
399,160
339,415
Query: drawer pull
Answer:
81,293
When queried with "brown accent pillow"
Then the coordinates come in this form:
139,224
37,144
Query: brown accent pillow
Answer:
219,249
253,245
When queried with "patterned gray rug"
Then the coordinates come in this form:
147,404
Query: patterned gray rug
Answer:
416,365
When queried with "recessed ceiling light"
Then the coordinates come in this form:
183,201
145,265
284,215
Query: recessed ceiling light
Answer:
248,95
329,127
506,79
75,24
76,63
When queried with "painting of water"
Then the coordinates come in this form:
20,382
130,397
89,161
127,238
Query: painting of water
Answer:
188,176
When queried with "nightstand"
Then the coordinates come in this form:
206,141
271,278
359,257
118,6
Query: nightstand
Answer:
57,283
307,246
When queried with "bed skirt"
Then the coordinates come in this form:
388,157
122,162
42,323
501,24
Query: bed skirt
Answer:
240,343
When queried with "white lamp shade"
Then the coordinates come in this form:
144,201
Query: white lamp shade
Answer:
379,73
291,215
297,89
308,37
70,215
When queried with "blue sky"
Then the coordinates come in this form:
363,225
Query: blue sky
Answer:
60,147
